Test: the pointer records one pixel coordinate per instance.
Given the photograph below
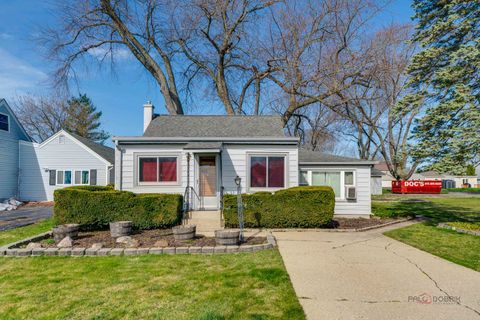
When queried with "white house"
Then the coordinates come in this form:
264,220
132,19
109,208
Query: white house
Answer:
11,133
202,155
64,159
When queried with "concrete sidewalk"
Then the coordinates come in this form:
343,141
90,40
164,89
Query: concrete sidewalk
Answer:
366,275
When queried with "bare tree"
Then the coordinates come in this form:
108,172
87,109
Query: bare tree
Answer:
381,120
314,51
41,116
105,27
217,37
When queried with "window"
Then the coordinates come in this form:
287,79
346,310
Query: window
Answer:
348,178
338,180
267,171
304,178
4,123
64,177
82,177
157,169
331,179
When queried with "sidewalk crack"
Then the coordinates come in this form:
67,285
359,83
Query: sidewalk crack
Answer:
387,248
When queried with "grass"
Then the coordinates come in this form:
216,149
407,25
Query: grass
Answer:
231,286
13,235
463,249
469,190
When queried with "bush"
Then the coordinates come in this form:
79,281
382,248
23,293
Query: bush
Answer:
298,207
93,207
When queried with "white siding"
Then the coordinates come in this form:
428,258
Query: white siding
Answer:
233,158
36,159
9,155
376,185
360,206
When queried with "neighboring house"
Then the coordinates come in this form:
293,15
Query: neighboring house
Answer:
11,132
448,180
64,159
387,177
376,181
205,154
477,170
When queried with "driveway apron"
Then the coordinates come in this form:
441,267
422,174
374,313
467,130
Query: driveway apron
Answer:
366,275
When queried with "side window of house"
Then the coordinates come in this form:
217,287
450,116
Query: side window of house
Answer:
157,169
82,176
4,122
267,171
329,178
64,177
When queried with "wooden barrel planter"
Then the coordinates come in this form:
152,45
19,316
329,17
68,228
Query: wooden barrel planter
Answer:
120,228
184,232
227,237
64,230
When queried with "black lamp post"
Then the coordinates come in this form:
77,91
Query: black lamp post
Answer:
238,182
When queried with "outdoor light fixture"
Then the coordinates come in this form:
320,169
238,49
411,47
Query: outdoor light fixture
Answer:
238,180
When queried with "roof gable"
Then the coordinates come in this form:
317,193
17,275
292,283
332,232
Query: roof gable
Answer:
105,153
21,132
215,126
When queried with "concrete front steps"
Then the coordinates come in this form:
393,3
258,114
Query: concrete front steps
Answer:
206,221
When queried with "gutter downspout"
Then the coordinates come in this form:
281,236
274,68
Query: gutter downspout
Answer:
120,183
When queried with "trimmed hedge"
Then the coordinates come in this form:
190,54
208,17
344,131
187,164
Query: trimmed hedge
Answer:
298,207
93,207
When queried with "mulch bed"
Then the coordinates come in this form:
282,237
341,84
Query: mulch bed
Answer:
146,239
358,223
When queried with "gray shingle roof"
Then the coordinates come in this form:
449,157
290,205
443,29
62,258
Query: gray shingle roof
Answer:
315,156
376,173
215,126
105,152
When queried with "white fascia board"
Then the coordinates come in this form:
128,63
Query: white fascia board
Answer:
223,139
338,163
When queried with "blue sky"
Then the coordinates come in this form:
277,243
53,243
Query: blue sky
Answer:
120,96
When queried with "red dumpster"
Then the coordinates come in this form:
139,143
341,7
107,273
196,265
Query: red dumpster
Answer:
416,186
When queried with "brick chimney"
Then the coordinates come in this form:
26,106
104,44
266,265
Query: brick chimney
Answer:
147,114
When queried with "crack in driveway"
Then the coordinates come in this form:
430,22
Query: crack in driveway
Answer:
388,249
355,242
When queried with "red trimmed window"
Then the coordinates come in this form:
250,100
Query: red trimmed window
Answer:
267,172
158,169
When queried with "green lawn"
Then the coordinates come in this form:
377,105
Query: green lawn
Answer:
234,286
459,248
13,235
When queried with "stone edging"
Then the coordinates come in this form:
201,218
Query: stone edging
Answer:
345,230
13,250
443,225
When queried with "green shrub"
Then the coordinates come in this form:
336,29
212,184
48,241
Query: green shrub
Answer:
298,207
94,207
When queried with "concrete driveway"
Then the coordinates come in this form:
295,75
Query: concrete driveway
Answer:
23,216
366,275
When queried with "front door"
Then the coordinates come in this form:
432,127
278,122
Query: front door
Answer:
207,182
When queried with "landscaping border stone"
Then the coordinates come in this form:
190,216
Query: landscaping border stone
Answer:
444,225
14,250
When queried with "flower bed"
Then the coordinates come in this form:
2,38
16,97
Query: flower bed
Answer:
145,239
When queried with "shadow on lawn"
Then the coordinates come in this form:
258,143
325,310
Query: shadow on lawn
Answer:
436,212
